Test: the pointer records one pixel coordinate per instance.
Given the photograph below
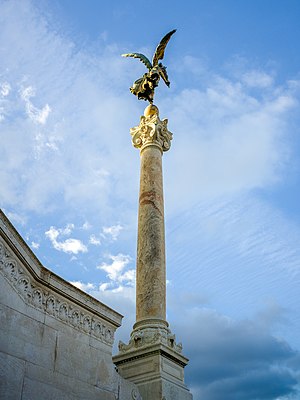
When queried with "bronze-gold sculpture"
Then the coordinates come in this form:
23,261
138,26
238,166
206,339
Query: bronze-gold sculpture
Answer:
144,87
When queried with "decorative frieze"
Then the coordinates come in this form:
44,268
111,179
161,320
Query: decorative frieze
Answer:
50,302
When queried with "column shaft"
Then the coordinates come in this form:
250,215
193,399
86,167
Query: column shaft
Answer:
151,265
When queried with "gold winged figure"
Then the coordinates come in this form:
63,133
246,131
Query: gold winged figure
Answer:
144,87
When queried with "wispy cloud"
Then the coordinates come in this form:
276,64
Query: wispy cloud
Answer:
94,240
257,79
86,226
5,89
35,245
36,115
237,254
70,245
4,92
16,217
112,231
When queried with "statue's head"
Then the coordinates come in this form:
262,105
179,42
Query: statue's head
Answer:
154,75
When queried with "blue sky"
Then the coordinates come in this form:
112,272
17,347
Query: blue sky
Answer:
69,174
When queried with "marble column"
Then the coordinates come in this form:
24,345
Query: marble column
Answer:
151,264
152,359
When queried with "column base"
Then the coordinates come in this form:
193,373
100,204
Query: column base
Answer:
153,361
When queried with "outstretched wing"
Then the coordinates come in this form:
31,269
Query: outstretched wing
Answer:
160,49
141,57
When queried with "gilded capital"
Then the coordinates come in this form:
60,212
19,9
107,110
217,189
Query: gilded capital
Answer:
151,131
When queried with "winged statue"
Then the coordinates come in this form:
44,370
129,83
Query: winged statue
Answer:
144,87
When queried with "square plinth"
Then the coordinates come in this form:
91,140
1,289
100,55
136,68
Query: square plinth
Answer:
157,370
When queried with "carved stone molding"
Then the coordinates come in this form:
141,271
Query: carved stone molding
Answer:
49,302
151,131
149,336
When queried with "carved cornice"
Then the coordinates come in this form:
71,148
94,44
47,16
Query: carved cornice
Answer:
151,131
45,277
49,302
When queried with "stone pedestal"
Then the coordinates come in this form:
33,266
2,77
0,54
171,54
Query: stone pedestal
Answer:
154,362
152,359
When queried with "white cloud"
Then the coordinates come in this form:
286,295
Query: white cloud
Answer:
128,276
36,115
110,233
70,246
43,143
86,287
104,286
5,89
86,226
35,245
113,231
94,240
73,246
258,79
114,269
67,230
119,291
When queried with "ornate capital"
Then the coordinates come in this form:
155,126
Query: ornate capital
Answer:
151,131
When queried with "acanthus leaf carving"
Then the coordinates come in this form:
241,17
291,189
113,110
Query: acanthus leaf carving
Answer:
148,336
152,130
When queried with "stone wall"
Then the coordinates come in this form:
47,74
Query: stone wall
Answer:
55,340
